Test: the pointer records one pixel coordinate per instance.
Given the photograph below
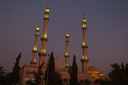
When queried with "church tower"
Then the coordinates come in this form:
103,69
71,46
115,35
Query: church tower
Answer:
44,39
33,62
67,48
84,47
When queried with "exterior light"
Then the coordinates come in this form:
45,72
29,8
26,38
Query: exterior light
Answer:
83,43
66,64
35,48
101,74
66,53
84,25
35,60
67,34
37,28
93,71
84,57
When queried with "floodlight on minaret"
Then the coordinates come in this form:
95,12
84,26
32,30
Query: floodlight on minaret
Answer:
84,47
33,62
44,38
67,50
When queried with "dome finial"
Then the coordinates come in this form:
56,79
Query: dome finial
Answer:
67,31
47,6
84,16
38,25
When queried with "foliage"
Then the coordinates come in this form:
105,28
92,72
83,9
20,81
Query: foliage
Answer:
1,70
87,82
15,74
51,77
118,76
73,72
30,83
38,74
100,81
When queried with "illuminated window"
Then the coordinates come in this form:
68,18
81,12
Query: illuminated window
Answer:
26,79
33,80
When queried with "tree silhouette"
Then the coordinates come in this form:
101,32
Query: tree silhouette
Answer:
73,72
117,76
100,81
38,74
15,74
87,82
51,77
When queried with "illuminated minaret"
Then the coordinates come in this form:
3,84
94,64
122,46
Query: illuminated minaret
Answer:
44,38
66,54
84,59
33,62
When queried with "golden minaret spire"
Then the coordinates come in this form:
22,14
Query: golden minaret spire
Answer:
67,50
84,59
44,38
33,62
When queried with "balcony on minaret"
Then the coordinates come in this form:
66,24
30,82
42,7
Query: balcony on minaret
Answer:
44,37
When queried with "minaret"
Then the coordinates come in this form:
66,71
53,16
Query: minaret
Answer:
66,54
44,38
84,47
33,62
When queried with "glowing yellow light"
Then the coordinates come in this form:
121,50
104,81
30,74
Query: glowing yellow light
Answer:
83,43
35,48
43,50
46,16
46,10
37,28
101,74
66,53
66,64
35,60
67,34
93,71
84,57
84,25
45,36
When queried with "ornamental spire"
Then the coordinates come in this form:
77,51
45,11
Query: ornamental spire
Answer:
84,16
47,6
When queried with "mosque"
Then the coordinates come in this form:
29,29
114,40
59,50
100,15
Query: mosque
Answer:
90,73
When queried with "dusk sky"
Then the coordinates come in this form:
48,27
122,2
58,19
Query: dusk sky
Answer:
107,31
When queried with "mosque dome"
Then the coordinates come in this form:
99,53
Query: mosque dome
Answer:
59,64
93,69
